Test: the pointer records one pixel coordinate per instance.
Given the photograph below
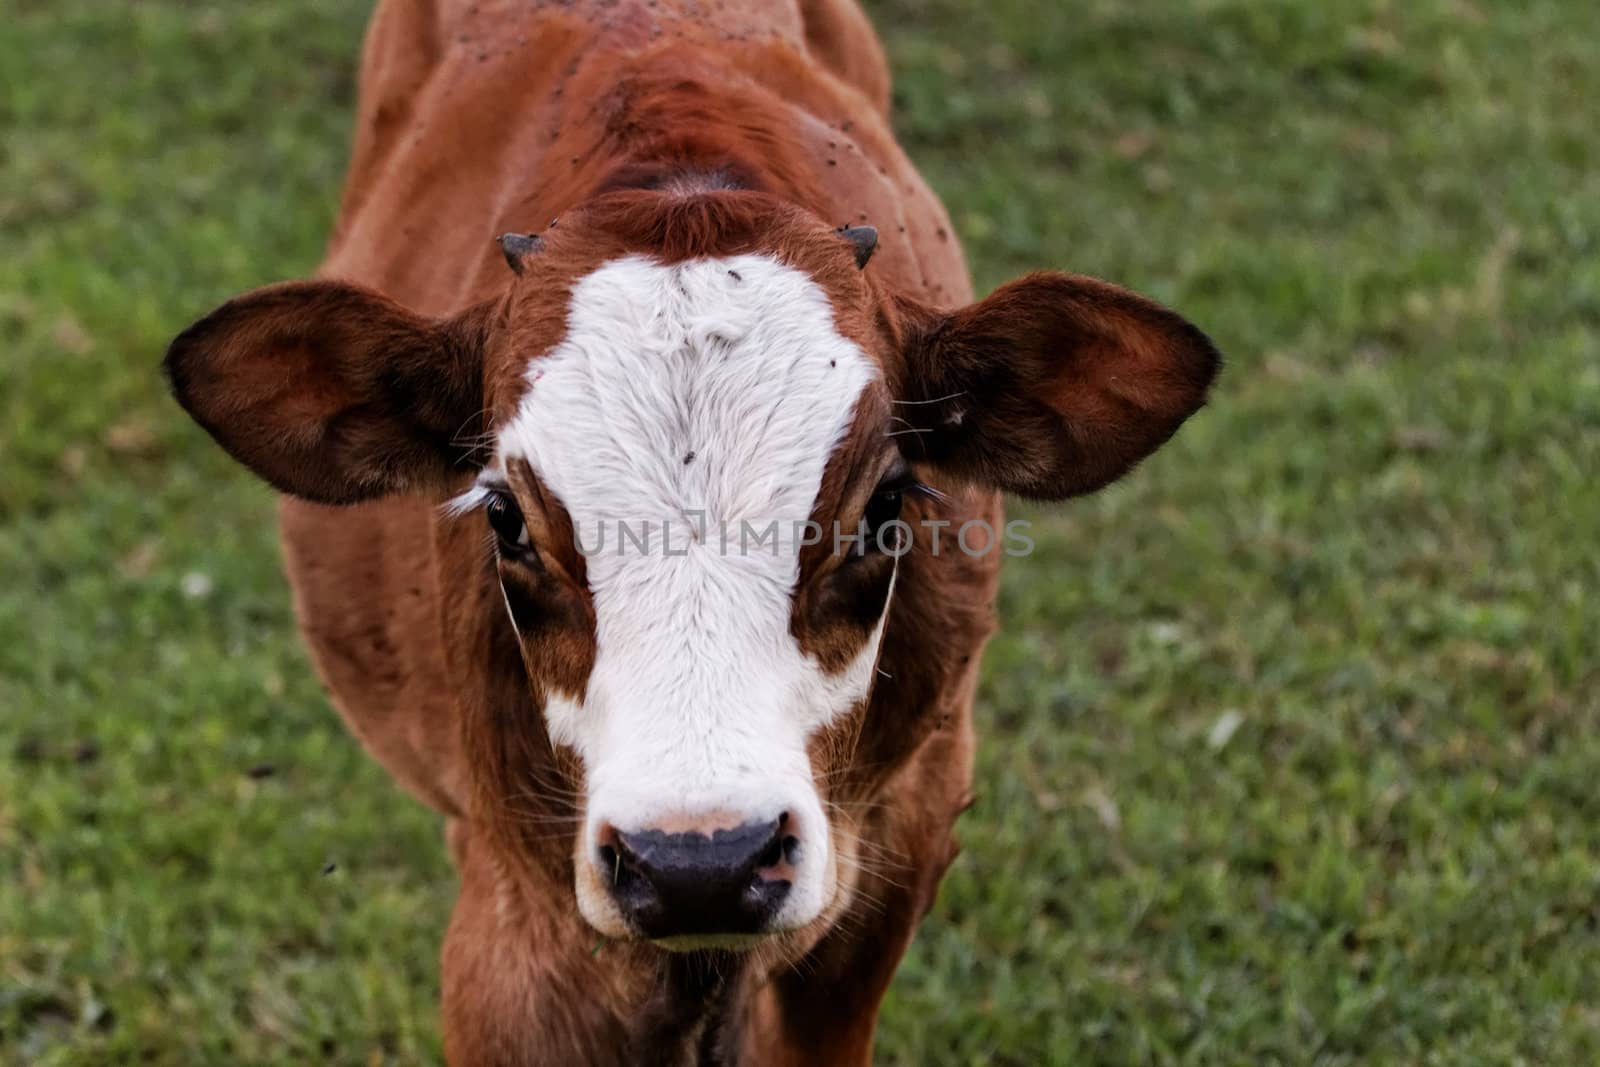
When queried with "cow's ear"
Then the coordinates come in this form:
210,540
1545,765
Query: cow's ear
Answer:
1055,385
333,392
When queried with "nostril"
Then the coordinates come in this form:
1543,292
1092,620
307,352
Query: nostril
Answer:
615,858
785,846
782,849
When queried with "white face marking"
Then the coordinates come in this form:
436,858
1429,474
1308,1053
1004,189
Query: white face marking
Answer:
695,397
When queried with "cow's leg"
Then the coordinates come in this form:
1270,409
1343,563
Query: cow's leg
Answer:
528,982
519,985
826,1009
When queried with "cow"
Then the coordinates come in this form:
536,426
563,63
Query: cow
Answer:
611,279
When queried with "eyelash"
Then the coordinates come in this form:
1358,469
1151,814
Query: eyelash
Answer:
912,487
901,485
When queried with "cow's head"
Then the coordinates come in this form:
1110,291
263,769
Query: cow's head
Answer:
676,420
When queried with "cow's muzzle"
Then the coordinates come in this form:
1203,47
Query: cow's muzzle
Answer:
690,884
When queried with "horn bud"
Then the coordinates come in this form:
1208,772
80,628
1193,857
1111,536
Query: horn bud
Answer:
514,246
865,240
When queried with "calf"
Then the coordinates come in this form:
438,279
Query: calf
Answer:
656,547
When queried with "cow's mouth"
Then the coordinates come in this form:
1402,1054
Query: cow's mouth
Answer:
711,942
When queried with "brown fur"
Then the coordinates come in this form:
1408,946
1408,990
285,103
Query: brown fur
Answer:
612,127
1099,378
374,393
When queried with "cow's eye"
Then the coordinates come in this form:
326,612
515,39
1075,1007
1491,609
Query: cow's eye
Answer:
882,509
505,518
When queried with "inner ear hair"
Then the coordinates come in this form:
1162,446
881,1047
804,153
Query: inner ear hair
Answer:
1053,386
334,392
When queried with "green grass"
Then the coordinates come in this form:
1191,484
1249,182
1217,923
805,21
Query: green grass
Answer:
1374,556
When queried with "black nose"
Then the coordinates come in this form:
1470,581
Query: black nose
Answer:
728,882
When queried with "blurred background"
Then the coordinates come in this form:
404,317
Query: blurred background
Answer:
1291,739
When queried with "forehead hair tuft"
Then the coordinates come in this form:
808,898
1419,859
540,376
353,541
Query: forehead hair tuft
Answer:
676,226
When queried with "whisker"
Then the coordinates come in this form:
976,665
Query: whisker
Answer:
546,789
935,400
530,818
481,438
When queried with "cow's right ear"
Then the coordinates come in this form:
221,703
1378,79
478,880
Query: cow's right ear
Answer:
1055,385
333,392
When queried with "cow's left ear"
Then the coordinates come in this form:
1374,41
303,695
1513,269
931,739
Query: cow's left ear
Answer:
1055,385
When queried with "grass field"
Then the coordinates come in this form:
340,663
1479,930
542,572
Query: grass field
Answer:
1292,740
